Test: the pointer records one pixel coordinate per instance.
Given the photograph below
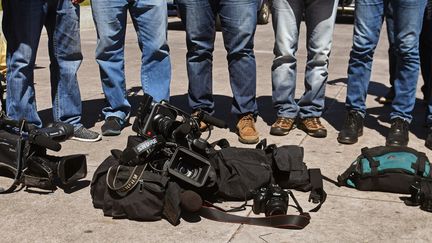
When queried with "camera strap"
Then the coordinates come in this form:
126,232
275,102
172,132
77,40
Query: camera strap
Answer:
122,179
212,212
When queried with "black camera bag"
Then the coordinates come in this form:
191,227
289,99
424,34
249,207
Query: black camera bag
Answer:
239,171
133,193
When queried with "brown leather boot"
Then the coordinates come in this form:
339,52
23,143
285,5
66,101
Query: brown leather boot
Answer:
282,126
313,127
246,130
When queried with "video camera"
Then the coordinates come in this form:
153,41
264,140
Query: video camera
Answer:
172,123
169,142
24,159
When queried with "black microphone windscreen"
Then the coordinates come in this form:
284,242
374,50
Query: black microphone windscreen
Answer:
190,201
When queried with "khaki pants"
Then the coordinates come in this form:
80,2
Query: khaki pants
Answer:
2,55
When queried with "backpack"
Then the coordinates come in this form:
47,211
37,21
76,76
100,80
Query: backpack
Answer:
386,169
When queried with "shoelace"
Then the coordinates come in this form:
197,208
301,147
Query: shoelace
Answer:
313,122
247,121
284,121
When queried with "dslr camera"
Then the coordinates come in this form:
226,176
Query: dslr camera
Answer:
271,200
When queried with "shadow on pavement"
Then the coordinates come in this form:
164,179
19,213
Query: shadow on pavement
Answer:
334,112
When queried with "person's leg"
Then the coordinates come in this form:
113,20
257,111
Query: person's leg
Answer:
64,45
286,19
199,19
367,26
150,21
408,16
388,13
320,19
425,51
426,68
238,23
22,26
110,21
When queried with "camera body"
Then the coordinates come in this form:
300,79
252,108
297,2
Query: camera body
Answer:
169,142
271,200
163,119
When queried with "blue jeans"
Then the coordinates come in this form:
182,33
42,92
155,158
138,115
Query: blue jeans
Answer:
238,22
320,20
22,25
390,36
408,17
150,22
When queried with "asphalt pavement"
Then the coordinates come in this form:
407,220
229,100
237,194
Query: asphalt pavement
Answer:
347,215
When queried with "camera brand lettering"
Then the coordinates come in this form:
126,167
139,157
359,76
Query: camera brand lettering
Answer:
146,145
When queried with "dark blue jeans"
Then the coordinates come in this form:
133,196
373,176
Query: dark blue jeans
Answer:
238,22
408,17
22,25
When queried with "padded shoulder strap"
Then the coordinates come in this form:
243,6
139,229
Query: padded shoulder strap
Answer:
317,194
372,162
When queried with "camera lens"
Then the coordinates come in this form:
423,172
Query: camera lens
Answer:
163,125
275,211
188,170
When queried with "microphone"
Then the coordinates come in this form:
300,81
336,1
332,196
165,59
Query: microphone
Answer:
206,118
181,131
190,201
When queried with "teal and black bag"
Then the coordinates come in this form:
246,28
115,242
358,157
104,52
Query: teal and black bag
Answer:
386,169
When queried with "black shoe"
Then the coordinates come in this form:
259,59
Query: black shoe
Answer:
428,142
398,134
352,128
112,126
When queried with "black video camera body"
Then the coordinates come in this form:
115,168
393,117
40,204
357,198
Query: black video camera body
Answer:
165,120
271,200
24,159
